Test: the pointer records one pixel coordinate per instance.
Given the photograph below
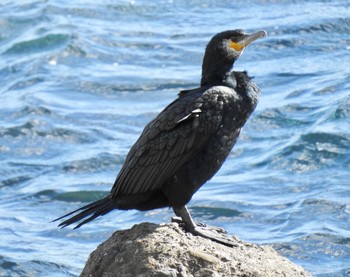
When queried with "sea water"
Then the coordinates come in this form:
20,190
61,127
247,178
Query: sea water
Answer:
80,79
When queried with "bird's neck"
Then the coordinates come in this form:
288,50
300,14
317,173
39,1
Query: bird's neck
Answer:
215,72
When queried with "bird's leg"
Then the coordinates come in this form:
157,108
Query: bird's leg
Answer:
209,232
191,223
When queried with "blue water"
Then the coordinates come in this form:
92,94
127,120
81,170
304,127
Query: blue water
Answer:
80,79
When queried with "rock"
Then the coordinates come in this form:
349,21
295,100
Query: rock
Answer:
167,250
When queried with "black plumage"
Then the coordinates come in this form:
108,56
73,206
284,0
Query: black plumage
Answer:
186,144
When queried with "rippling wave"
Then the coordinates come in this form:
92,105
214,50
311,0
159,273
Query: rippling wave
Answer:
79,82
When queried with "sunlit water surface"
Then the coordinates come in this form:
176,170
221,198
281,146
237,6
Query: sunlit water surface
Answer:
80,79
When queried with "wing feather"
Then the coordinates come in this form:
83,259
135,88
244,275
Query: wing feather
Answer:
166,143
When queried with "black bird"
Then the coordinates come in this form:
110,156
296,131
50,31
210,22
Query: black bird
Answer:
186,144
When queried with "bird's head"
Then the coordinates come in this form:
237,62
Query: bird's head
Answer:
222,51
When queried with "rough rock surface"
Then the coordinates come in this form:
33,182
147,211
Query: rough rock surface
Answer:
167,250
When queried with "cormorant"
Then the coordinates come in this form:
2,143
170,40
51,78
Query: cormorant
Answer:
186,144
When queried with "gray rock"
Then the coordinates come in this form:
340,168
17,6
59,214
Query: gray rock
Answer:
167,250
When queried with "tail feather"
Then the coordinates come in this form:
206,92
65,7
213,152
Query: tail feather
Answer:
90,212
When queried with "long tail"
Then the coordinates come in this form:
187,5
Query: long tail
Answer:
90,212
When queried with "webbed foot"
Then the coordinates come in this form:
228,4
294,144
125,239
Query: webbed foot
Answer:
199,229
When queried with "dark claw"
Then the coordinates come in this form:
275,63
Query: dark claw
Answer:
217,229
178,219
214,235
